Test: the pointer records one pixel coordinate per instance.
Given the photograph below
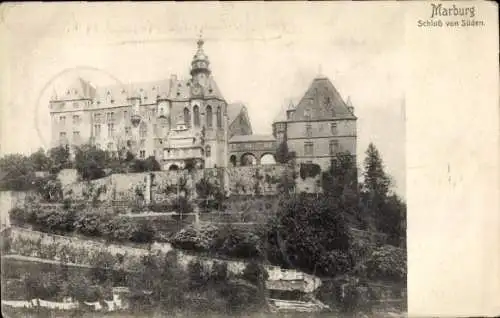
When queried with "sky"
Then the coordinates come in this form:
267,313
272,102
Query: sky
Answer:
260,54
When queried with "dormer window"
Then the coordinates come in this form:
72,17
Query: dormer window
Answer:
307,113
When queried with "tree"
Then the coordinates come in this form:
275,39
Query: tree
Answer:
393,221
60,158
376,180
40,161
49,188
283,154
151,164
307,229
18,173
210,195
387,211
90,162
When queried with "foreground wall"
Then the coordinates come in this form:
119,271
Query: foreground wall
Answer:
161,186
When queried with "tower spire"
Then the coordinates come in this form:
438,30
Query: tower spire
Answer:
200,63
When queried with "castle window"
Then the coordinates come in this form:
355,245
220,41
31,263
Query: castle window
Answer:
111,130
62,120
142,154
333,128
142,143
209,118
334,147
308,130
143,130
97,117
110,146
187,117
76,135
196,111
308,148
75,105
97,130
76,119
207,151
127,130
219,117
62,135
125,114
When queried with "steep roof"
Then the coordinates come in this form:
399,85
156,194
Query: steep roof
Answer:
118,95
322,101
233,110
78,89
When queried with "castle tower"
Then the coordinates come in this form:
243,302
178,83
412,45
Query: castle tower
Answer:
200,70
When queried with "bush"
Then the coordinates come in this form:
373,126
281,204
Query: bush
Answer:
237,243
93,223
387,263
160,207
19,216
191,238
309,170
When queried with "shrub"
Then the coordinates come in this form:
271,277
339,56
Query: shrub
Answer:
93,223
309,170
19,216
160,207
191,238
237,243
387,263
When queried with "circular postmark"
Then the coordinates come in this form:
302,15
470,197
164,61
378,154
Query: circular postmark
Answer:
55,87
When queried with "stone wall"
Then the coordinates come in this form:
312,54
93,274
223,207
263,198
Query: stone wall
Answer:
162,186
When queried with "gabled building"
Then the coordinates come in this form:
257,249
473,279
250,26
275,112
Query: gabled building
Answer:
319,126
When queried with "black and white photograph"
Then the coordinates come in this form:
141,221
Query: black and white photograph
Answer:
203,160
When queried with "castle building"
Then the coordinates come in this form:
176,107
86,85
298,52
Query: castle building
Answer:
319,126
180,120
173,120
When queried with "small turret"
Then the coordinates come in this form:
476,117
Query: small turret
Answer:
200,69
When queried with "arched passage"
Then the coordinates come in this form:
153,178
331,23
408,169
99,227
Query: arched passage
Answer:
248,159
173,167
232,159
267,159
